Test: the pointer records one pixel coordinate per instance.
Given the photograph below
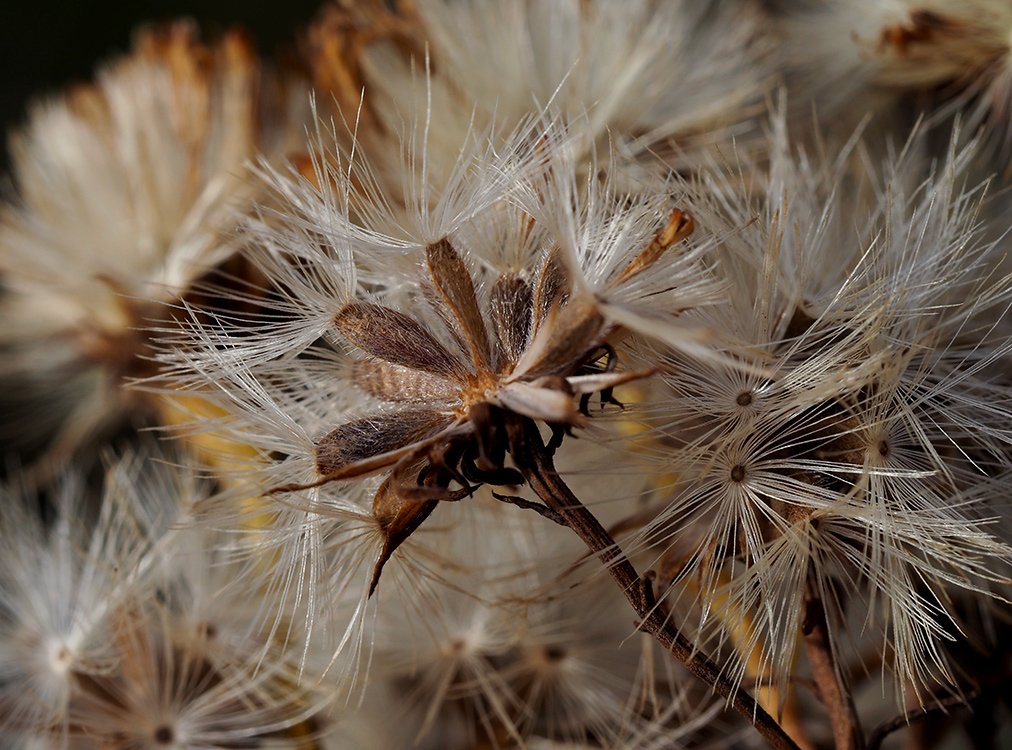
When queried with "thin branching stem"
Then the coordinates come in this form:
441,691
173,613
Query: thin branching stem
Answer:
542,510
832,687
878,735
535,462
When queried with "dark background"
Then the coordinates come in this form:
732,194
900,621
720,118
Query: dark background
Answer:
44,46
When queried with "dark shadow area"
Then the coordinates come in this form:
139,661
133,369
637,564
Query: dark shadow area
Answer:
45,47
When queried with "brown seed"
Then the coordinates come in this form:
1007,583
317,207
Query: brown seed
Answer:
398,384
395,337
373,436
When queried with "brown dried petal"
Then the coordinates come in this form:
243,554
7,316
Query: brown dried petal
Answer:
338,43
921,28
383,437
398,384
435,302
395,337
453,281
679,226
398,517
543,403
567,336
511,317
604,380
400,507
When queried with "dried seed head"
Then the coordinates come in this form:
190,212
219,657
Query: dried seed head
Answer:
543,352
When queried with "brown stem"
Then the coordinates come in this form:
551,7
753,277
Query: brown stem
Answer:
535,463
884,730
833,690
521,502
